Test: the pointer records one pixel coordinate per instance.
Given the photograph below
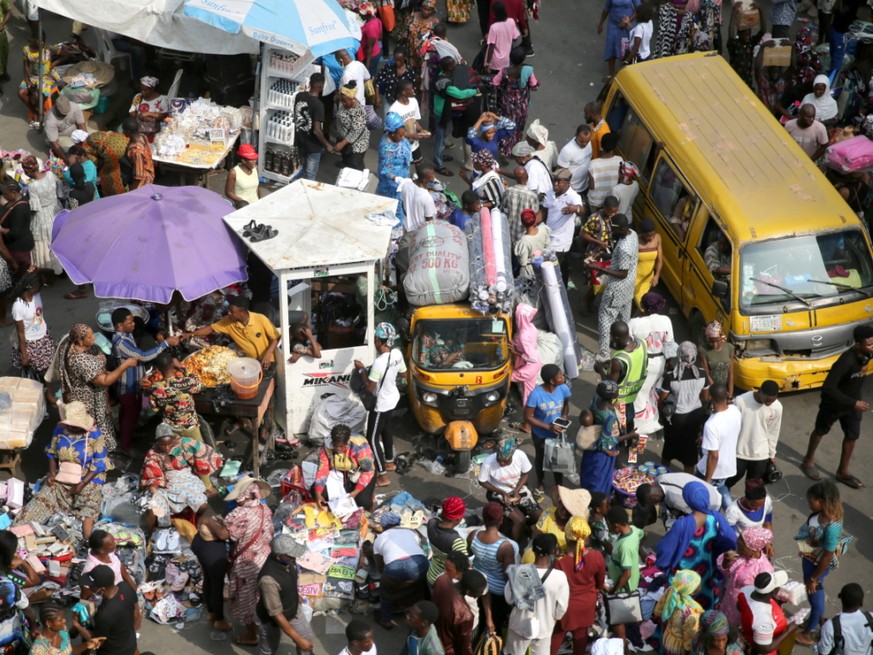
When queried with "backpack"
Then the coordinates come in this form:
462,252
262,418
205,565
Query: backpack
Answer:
839,640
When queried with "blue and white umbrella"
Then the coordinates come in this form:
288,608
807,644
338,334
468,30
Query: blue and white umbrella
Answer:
319,26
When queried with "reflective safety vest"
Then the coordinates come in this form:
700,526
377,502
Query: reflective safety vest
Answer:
636,367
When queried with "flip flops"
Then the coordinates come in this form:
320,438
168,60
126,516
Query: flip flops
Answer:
811,472
850,481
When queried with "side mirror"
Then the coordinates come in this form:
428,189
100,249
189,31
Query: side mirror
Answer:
721,290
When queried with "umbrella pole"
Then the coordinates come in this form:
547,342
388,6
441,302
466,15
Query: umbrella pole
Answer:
169,323
39,96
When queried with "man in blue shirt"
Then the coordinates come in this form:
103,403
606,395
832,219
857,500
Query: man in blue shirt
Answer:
129,391
470,204
548,401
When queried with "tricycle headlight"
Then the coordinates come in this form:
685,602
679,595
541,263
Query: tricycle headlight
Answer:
492,397
429,398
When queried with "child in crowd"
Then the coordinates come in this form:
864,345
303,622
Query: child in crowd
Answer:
601,539
753,510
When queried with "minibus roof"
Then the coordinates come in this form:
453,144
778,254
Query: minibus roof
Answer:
762,184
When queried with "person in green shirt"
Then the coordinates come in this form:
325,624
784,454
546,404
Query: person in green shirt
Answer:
623,565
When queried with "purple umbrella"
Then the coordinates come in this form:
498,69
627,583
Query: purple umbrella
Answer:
148,243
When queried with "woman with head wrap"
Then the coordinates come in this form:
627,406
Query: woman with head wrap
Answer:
493,553
532,243
80,367
656,329
504,477
149,107
249,528
650,258
403,565
515,82
395,157
526,363
687,385
585,569
740,567
485,182
826,109
351,127
487,131
677,614
717,357
537,136
566,503
598,464
695,541
443,536
714,636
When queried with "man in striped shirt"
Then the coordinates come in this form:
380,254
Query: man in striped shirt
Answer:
129,392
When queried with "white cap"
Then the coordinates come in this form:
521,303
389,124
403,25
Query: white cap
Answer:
776,580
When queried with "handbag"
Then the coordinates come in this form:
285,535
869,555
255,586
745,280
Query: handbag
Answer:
559,456
70,472
489,644
587,437
624,608
386,15
368,398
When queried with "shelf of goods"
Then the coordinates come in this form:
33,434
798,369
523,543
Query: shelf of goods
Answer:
283,75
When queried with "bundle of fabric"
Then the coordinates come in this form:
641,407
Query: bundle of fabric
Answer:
492,288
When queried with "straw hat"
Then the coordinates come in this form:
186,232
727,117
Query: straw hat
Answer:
244,483
575,501
103,73
76,415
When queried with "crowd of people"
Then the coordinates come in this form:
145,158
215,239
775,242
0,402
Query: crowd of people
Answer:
543,564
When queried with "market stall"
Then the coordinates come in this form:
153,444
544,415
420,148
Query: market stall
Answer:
330,245
197,138
22,407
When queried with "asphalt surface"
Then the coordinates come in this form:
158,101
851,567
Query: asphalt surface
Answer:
569,66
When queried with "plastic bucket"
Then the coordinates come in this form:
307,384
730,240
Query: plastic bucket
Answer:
245,377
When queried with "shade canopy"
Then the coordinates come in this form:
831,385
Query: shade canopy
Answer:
150,242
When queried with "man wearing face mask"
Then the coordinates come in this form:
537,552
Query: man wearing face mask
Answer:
621,274
279,608
118,615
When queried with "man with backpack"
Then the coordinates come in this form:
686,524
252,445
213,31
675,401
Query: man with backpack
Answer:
851,631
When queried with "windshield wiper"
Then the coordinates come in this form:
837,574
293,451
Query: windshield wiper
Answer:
784,290
840,285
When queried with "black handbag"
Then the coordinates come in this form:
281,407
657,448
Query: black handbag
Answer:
368,398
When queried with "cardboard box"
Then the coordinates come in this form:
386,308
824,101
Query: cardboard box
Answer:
779,55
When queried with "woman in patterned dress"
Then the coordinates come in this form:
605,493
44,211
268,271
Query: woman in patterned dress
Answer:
106,150
250,528
76,440
34,347
458,11
81,369
714,637
694,543
395,157
44,192
420,25
678,614
169,473
514,84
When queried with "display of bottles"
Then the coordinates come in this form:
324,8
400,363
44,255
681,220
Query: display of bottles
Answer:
283,62
281,93
280,126
281,162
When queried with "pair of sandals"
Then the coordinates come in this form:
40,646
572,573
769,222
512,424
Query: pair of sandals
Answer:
256,232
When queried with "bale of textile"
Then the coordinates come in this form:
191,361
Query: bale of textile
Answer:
492,288
439,266
333,409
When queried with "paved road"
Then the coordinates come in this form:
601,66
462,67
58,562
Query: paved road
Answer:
569,66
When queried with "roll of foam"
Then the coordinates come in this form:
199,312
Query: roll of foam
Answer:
488,247
553,286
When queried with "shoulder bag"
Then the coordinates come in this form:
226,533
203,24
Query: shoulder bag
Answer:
72,473
624,608
368,398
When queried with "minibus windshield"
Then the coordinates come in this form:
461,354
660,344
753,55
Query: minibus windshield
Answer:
804,268
463,343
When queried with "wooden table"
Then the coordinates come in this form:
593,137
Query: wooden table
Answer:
198,163
220,402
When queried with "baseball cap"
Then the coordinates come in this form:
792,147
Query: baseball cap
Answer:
99,577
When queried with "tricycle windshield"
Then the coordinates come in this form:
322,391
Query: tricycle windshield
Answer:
805,269
478,344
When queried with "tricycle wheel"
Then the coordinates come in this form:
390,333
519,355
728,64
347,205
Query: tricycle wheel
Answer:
462,461
206,432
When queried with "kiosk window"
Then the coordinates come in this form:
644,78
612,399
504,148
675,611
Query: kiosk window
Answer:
636,144
673,200
340,319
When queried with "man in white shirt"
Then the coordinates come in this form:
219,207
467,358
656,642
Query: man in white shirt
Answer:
761,414
576,157
559,210
627,188
854,625
811,135
353,70
547,610
667,490
720,434
539,177
406,106
381,381
418,204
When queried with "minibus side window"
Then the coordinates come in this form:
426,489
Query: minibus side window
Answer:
716,251
672,199
636,144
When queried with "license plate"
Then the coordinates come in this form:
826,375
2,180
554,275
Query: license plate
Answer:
770,323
